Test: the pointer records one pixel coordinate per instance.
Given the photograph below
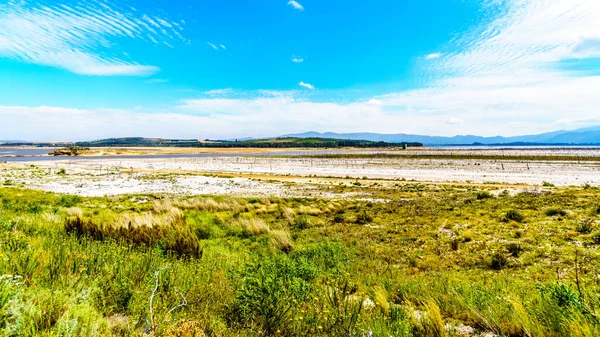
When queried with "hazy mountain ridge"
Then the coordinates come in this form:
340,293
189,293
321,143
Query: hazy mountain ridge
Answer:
585,136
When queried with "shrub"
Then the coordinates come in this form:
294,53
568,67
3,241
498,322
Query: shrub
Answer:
339,218
555,212
268,293
547,184
560,294
514,249
513,216
61,172
363,218
34,207
498,261
597,210
302,222
585,226
454,244
483,195
69,201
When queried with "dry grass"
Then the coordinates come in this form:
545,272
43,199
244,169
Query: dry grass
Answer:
282,239
254,226
202,204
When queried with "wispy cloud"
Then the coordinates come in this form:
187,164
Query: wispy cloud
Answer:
296,5
508,70
223,46
297,59
219,92
212,45
433,56
306,85
75,38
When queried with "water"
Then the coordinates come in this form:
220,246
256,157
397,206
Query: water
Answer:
17,154
20,151
27,155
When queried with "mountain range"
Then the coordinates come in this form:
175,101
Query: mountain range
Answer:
585,136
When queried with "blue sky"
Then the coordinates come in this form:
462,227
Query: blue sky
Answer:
221,69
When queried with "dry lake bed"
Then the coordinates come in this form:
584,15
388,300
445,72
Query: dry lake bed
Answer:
305,176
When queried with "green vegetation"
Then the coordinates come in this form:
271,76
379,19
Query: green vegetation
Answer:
433,261
257,143
70,151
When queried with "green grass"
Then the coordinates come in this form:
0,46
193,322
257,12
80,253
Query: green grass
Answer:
432,259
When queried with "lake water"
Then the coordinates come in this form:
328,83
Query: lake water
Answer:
16,154
19,151
26,155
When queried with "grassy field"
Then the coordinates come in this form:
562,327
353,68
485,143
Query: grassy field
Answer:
436,260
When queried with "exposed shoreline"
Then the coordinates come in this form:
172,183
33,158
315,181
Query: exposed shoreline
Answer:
283,176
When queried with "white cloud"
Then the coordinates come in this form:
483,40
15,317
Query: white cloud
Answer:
296,5
223,46
195,118
433,56
212,45
454,121
219,92
375,102
297,59
76,38
508,71
306,85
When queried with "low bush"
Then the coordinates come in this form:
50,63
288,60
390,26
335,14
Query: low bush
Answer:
363,218
498,261
339,218
555,212
483,195
513,216
301,222
585,226
560,293
514,249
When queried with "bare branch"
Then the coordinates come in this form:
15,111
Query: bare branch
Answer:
183,303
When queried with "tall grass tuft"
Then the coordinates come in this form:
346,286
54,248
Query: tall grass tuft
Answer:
169,232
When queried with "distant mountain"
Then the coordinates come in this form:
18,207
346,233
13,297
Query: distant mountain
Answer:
586,136
10,141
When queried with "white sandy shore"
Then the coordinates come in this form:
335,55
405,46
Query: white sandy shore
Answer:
513,172
100,177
